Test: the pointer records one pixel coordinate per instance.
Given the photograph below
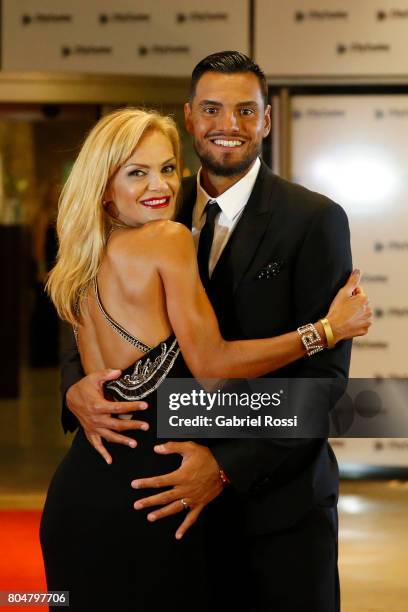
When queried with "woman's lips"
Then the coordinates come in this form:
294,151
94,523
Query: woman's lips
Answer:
156,202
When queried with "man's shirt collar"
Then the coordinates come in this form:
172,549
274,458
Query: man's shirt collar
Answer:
233,200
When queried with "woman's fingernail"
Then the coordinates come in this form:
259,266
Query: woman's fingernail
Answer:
151,517
160,448
138,506
145,427
132,444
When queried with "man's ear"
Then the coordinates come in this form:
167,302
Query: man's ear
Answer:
267,121
188,118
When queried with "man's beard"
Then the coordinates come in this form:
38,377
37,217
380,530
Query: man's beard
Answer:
216,167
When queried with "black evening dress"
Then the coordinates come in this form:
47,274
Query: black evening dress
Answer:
95,544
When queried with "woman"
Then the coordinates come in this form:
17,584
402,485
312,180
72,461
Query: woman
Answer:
127,279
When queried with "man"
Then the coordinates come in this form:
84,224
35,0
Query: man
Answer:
274,256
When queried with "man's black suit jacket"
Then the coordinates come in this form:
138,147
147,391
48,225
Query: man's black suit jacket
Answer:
307,237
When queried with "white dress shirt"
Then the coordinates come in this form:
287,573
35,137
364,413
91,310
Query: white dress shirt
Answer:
232,203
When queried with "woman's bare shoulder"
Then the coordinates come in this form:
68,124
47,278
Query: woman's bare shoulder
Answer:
167,230
156,236
169,240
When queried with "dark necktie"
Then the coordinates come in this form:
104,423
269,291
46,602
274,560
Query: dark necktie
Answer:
206,239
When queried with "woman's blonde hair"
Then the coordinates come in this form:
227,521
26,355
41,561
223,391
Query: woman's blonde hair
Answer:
83,225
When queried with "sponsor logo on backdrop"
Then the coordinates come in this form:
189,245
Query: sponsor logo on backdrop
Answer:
322,15
319,113
399,445
197,16
396,245
86,50
357,47
105,18
391,312
374,278
396,113
370,344
393,14
395,445
163,50
393,245
27,19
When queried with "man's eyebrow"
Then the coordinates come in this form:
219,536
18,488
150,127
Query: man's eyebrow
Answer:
146,166
209,102
248,103
218,104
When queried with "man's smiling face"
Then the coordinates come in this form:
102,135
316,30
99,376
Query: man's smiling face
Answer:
228,119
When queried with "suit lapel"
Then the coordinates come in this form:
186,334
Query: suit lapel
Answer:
247,235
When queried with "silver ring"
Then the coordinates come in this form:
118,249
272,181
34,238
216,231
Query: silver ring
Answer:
185,504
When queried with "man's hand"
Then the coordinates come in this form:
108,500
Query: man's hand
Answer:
197,481
86,400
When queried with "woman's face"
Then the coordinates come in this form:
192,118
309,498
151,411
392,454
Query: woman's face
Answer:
145,187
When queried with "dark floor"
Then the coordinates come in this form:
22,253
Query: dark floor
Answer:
31,439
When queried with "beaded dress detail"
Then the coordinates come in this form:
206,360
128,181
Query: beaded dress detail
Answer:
147,373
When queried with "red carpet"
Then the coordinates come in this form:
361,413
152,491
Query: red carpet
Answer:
21,565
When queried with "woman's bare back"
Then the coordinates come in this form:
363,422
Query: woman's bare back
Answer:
131,292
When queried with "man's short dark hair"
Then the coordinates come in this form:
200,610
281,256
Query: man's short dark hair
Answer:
228,62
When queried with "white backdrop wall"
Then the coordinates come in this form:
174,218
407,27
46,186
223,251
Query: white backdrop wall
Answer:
354,149
152,37
167,37
331,37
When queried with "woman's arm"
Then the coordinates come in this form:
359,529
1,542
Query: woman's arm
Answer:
194,322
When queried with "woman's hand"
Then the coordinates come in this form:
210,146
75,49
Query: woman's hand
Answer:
350,313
